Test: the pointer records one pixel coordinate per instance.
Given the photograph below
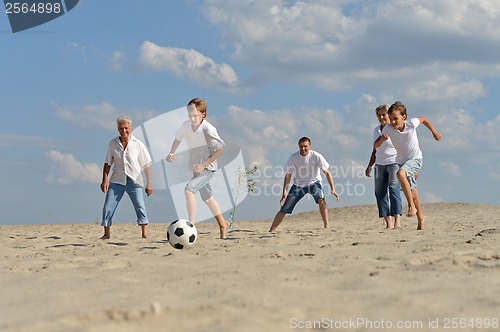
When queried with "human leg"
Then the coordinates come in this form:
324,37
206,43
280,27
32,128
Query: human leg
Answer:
409,169
295,194
323,210
420,214
194,185
278,218
136,195
316,191
190,205
113,196
405,186
394,185
221,221
381,180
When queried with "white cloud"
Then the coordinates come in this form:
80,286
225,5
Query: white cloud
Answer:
102,115
451,168
189,65
422,49
118,60
67,170
446,87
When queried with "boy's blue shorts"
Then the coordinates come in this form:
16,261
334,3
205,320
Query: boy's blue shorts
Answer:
411,167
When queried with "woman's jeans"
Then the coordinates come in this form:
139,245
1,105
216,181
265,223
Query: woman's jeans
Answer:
387,190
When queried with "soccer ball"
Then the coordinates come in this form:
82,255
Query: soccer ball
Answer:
181,234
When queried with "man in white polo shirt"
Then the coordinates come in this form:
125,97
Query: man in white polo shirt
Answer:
130,158
305,165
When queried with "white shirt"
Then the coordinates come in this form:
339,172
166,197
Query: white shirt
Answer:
201,143
386,153
127,162
406,141
306,168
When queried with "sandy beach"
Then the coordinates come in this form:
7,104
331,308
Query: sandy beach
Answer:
354,276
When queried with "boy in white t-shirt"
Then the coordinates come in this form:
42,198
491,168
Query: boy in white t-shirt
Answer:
403,135
205,146
305,165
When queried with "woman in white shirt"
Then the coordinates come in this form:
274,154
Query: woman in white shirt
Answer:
387,186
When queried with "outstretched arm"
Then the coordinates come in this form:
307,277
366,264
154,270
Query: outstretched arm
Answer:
171,156
423,120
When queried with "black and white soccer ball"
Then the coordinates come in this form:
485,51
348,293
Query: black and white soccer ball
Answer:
181,234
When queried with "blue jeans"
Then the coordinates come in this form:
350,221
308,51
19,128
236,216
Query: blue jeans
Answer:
114,195
387,190
296,193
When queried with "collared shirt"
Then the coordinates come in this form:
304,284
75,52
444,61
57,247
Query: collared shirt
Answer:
127,162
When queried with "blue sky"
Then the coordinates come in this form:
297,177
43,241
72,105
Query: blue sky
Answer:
271,72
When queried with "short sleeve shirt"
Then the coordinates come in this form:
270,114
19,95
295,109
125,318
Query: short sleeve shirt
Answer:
386,153
406,141
202,143
306,169
127,162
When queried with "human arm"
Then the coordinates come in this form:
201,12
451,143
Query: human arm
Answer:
329,178
149,187
423,120
381,139
171,156
370,163
105,173
286,182
198,168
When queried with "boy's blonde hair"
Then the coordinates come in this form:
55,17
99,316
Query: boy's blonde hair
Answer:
200,105
399,107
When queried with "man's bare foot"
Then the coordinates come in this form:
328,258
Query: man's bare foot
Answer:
326,225
421,223
412,211
104,237
223,229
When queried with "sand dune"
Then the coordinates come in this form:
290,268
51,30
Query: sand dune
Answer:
354,276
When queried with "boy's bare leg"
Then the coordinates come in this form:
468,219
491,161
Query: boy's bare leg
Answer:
405,186
277,221
420,214
190,205
223,225
215,209
323,210
144,229
388,222
107,233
